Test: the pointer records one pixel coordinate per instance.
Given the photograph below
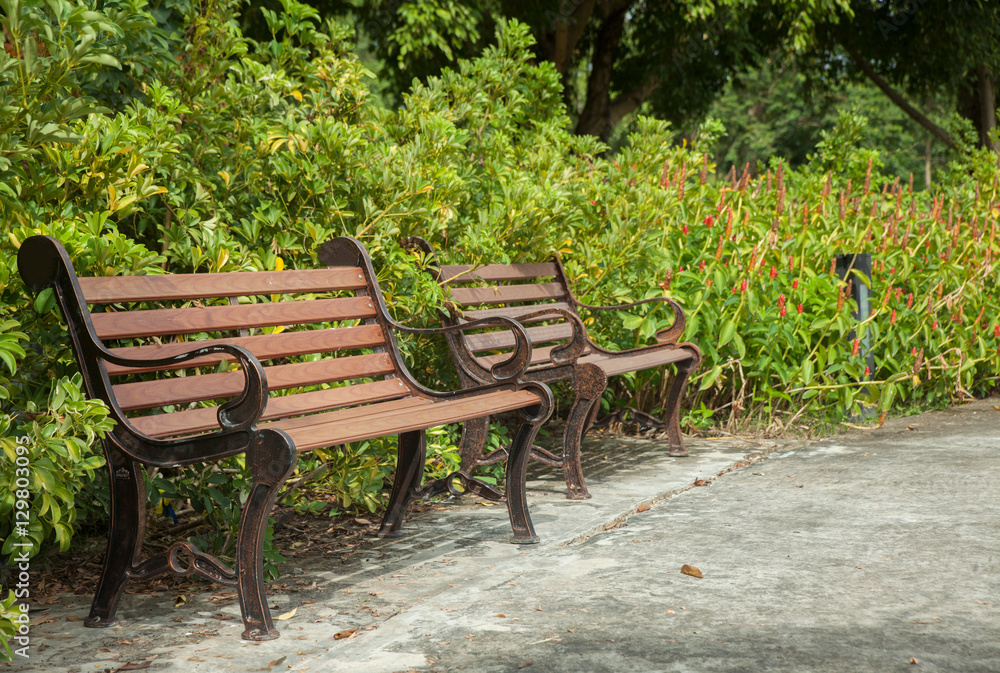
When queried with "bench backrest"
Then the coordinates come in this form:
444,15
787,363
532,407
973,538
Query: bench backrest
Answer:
512,290
315,331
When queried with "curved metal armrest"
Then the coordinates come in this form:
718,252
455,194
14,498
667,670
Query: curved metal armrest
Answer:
237,414
512,368
569,352
664,336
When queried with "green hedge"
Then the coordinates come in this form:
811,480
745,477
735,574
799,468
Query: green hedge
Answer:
223,154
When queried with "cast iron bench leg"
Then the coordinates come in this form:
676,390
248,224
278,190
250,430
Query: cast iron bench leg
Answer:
472,449
406,485
128,523
517,465
270,459
589,383
673,412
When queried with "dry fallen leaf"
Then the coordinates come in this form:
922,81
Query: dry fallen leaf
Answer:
363,522
74,618
134,665
179,601
346,633
669,612
644,507
525,664
914,660
287,615
276,662
691,570
499,614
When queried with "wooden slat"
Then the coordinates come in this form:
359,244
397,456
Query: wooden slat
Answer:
264,346
500,294
128,324
181,390
200,420
634,363
113,289
478,343
610,365
332,430
515,311
466,273
539,356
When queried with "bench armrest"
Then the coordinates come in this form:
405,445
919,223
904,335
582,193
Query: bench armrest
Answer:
240,413
510,369
664,336
569,352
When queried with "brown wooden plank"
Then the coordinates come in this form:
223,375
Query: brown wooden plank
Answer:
181,390
612,365
636,362
478,343
539,357
167,321
264,346
500,294
200,420
466,273
515,311
113,289
332,430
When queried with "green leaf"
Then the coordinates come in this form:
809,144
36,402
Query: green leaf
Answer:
727,333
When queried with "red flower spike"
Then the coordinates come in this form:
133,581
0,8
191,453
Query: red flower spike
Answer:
684,230
899,292
798,307
892,318
781,300
784,311
909,300
996,331
709,221
934,326
914,351
773,273
743,286
795,284
868,371
701,267
854,348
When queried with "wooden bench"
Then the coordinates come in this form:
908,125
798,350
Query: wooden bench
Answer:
539,295
331,351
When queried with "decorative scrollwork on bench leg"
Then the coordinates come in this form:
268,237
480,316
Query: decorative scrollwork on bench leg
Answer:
128,525
270,459
517,464
169,561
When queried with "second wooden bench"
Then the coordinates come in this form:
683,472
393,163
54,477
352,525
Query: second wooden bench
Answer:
539,296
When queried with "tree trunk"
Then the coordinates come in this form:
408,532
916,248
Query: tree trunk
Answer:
595,119
987,109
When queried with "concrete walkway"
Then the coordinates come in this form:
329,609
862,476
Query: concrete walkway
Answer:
873,551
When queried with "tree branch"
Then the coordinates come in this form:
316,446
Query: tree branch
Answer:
900,100
625,103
